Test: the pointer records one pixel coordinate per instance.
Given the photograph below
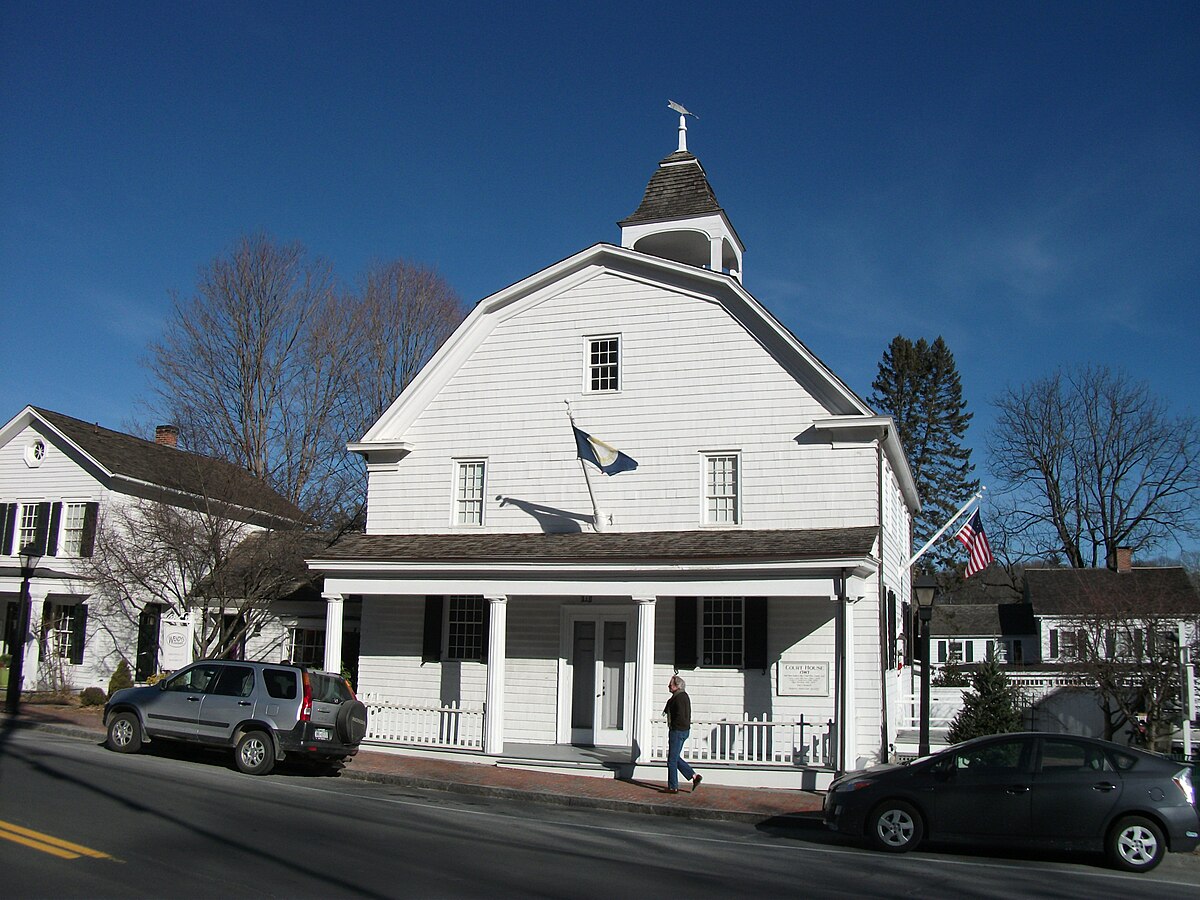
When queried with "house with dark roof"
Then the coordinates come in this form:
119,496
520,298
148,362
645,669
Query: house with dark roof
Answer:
58,476
619,468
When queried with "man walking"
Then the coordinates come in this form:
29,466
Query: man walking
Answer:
679,724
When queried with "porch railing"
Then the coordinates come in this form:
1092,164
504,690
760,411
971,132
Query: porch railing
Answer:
752,742
452,726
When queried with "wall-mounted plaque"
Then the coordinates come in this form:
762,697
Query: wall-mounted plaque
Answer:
803,679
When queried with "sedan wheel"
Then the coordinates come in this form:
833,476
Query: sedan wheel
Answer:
255,754
895,826
1136,844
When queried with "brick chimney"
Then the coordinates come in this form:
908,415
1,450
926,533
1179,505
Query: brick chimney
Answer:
167,435
1124,559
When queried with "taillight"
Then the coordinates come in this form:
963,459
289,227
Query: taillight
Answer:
350,688
306,704
1183,780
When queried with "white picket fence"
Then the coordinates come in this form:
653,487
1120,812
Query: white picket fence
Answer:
751,742
453,726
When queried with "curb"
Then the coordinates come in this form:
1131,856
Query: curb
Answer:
544,798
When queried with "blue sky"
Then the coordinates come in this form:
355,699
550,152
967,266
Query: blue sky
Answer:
1022,179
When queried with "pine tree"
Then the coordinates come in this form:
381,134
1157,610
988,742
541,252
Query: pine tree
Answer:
919,387
992,706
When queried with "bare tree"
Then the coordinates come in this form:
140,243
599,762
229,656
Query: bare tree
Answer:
1090,461
269,366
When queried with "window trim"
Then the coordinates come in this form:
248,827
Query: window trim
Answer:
447,625
60,538
588,341
455,498
707,457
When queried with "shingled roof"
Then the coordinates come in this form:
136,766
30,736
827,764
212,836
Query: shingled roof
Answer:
983,620
609,547
677,188
1158,590
177,470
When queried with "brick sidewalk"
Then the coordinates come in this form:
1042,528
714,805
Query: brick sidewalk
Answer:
709,802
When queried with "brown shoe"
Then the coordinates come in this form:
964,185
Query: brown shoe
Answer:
696,782
670,790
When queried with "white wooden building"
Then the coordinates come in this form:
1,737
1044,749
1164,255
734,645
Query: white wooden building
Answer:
758,547
58,477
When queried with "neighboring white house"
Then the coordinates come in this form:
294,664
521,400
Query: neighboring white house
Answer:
512,608
58,476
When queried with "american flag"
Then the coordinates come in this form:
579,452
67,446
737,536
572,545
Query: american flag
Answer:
975,540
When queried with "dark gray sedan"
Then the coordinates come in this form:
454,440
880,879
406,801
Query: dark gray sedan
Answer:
1069,792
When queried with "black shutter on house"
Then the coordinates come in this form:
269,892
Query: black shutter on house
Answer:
43,530
78,633
685,632
1054,643
487,624
52,535
431,646
87,542
10,524
754,651
891,629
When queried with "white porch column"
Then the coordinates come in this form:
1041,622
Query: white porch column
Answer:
849,728
493,710
335,610
643,678
31,676
715,254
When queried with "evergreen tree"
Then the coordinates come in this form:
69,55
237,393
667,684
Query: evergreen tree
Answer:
919,387
992,706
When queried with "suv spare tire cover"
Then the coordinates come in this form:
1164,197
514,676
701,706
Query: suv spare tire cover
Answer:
352,722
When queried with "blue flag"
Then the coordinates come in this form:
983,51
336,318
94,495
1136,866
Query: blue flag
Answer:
605,457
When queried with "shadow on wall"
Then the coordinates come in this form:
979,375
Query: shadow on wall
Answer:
550,519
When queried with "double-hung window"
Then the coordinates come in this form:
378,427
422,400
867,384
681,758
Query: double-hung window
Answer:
603,364
469,484
28,527
308,647
72,528
65,625
722,473
465,628
722,631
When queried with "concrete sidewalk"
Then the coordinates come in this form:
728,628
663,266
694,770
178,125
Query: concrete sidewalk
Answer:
708,802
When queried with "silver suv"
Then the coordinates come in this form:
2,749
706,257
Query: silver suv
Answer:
263,711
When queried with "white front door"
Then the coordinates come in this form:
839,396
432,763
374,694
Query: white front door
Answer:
598,677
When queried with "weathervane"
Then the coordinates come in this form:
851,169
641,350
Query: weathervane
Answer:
683,114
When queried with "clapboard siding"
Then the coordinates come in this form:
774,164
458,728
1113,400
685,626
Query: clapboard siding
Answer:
531,672
693,380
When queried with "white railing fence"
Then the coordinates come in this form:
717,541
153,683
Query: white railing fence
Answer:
751,742
452,726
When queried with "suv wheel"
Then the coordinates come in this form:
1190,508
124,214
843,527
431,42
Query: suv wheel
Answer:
124,733
352,722
255,753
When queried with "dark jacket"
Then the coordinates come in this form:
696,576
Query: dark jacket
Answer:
679,712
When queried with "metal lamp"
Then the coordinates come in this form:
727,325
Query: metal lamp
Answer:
925,592
30,555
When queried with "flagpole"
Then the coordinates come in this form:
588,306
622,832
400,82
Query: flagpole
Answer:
586,477
933,540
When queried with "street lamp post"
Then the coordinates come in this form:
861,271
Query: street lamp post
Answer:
925,589
29,563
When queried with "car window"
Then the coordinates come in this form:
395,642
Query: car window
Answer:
195,680
1124,761
997,757
1059,755
281,683
329,689
235,681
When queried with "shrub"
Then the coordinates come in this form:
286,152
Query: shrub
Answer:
950,675
992,706
121,678
92,696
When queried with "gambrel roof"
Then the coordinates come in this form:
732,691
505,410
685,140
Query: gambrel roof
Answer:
120,457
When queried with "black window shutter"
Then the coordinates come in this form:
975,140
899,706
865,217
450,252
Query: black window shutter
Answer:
754,652
431,647
43,530
87,542
1053,643
487,623
10,524
78,633
685,632
52,535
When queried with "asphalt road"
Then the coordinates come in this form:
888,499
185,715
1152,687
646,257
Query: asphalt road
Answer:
186,824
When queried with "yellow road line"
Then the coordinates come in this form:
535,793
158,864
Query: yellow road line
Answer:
47,843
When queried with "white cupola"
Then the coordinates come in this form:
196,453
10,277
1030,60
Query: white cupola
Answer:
679,217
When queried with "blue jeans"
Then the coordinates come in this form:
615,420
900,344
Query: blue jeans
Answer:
675,762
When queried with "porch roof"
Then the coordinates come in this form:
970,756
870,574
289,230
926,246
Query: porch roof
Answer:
609,547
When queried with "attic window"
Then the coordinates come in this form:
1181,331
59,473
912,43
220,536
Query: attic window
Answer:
603,364
35,453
